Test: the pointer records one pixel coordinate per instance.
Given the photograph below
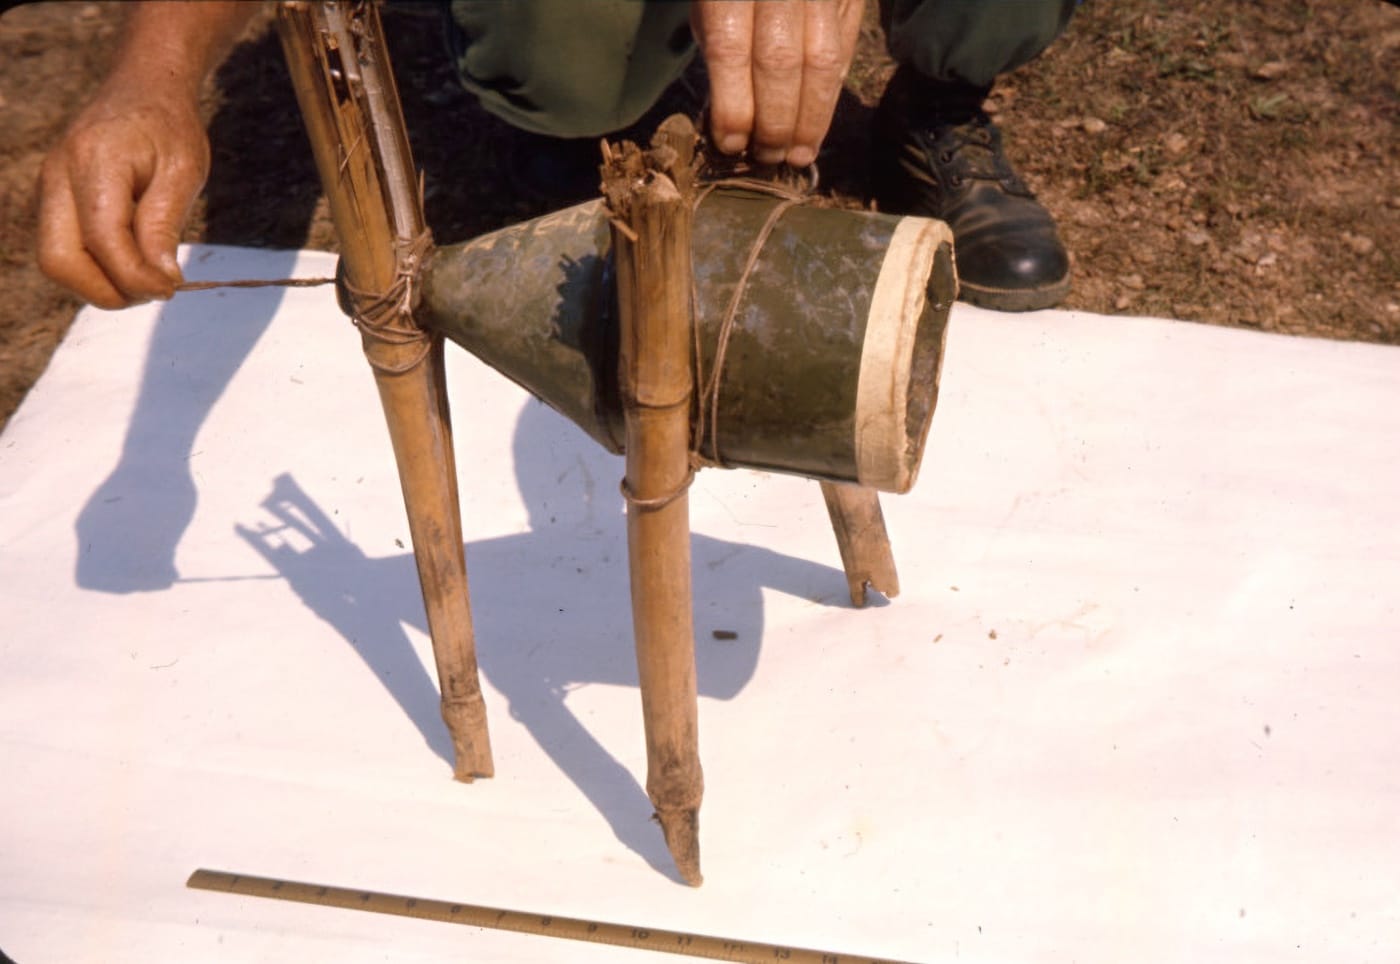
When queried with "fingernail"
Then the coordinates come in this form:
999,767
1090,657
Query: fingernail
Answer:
171,267
769,155
801,156
732,143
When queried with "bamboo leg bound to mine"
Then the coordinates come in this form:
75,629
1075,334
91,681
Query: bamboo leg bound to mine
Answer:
651,199
340,69
860,535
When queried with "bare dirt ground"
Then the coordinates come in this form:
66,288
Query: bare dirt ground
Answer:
1234,164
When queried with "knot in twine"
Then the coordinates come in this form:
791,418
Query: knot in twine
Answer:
386,317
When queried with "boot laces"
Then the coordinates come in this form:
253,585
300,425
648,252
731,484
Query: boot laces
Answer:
971,151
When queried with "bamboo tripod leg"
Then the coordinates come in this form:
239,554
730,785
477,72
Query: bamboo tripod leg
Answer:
340,70
651,198
414,410
658,555
860,535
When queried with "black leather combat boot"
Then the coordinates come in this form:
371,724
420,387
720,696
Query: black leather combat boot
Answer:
938,155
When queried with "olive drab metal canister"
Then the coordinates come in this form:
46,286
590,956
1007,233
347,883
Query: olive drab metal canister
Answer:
831,365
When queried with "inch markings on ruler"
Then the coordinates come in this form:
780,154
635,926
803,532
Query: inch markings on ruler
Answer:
544,925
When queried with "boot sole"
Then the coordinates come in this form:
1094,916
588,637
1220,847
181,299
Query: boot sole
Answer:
1014,299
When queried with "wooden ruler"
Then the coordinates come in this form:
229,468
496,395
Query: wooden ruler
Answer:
525,922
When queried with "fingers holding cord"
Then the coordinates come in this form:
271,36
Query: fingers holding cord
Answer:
776,70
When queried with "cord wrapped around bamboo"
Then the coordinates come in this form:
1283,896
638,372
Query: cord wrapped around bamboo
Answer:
831,368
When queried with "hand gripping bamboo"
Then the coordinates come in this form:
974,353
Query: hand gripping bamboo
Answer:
651,198
340,69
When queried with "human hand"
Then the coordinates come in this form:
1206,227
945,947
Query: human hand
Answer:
776,69
115,193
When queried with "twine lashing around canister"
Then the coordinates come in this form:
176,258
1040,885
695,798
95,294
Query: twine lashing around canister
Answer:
707,419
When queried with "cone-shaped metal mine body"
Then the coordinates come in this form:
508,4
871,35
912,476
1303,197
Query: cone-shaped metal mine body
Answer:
830,367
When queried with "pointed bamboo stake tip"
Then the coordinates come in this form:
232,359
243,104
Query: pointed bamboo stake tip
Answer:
862,585
864,544
681,830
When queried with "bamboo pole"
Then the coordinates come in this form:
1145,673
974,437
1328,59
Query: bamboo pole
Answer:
651,197
340,70
861,537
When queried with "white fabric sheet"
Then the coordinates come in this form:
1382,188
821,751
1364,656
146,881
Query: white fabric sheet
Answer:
1137,700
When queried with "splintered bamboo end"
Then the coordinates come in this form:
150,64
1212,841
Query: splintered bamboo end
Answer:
882,576
471,743
889,585
681,828
861,537
884,581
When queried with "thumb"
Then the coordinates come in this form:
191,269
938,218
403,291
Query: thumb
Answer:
161,214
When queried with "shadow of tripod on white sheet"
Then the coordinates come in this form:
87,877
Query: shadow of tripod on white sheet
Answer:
550,608
129,529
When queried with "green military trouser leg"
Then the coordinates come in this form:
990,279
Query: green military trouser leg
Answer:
971,41
569,68
582,68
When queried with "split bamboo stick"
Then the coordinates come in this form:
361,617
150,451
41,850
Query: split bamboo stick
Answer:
340,70
861,537
651,198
